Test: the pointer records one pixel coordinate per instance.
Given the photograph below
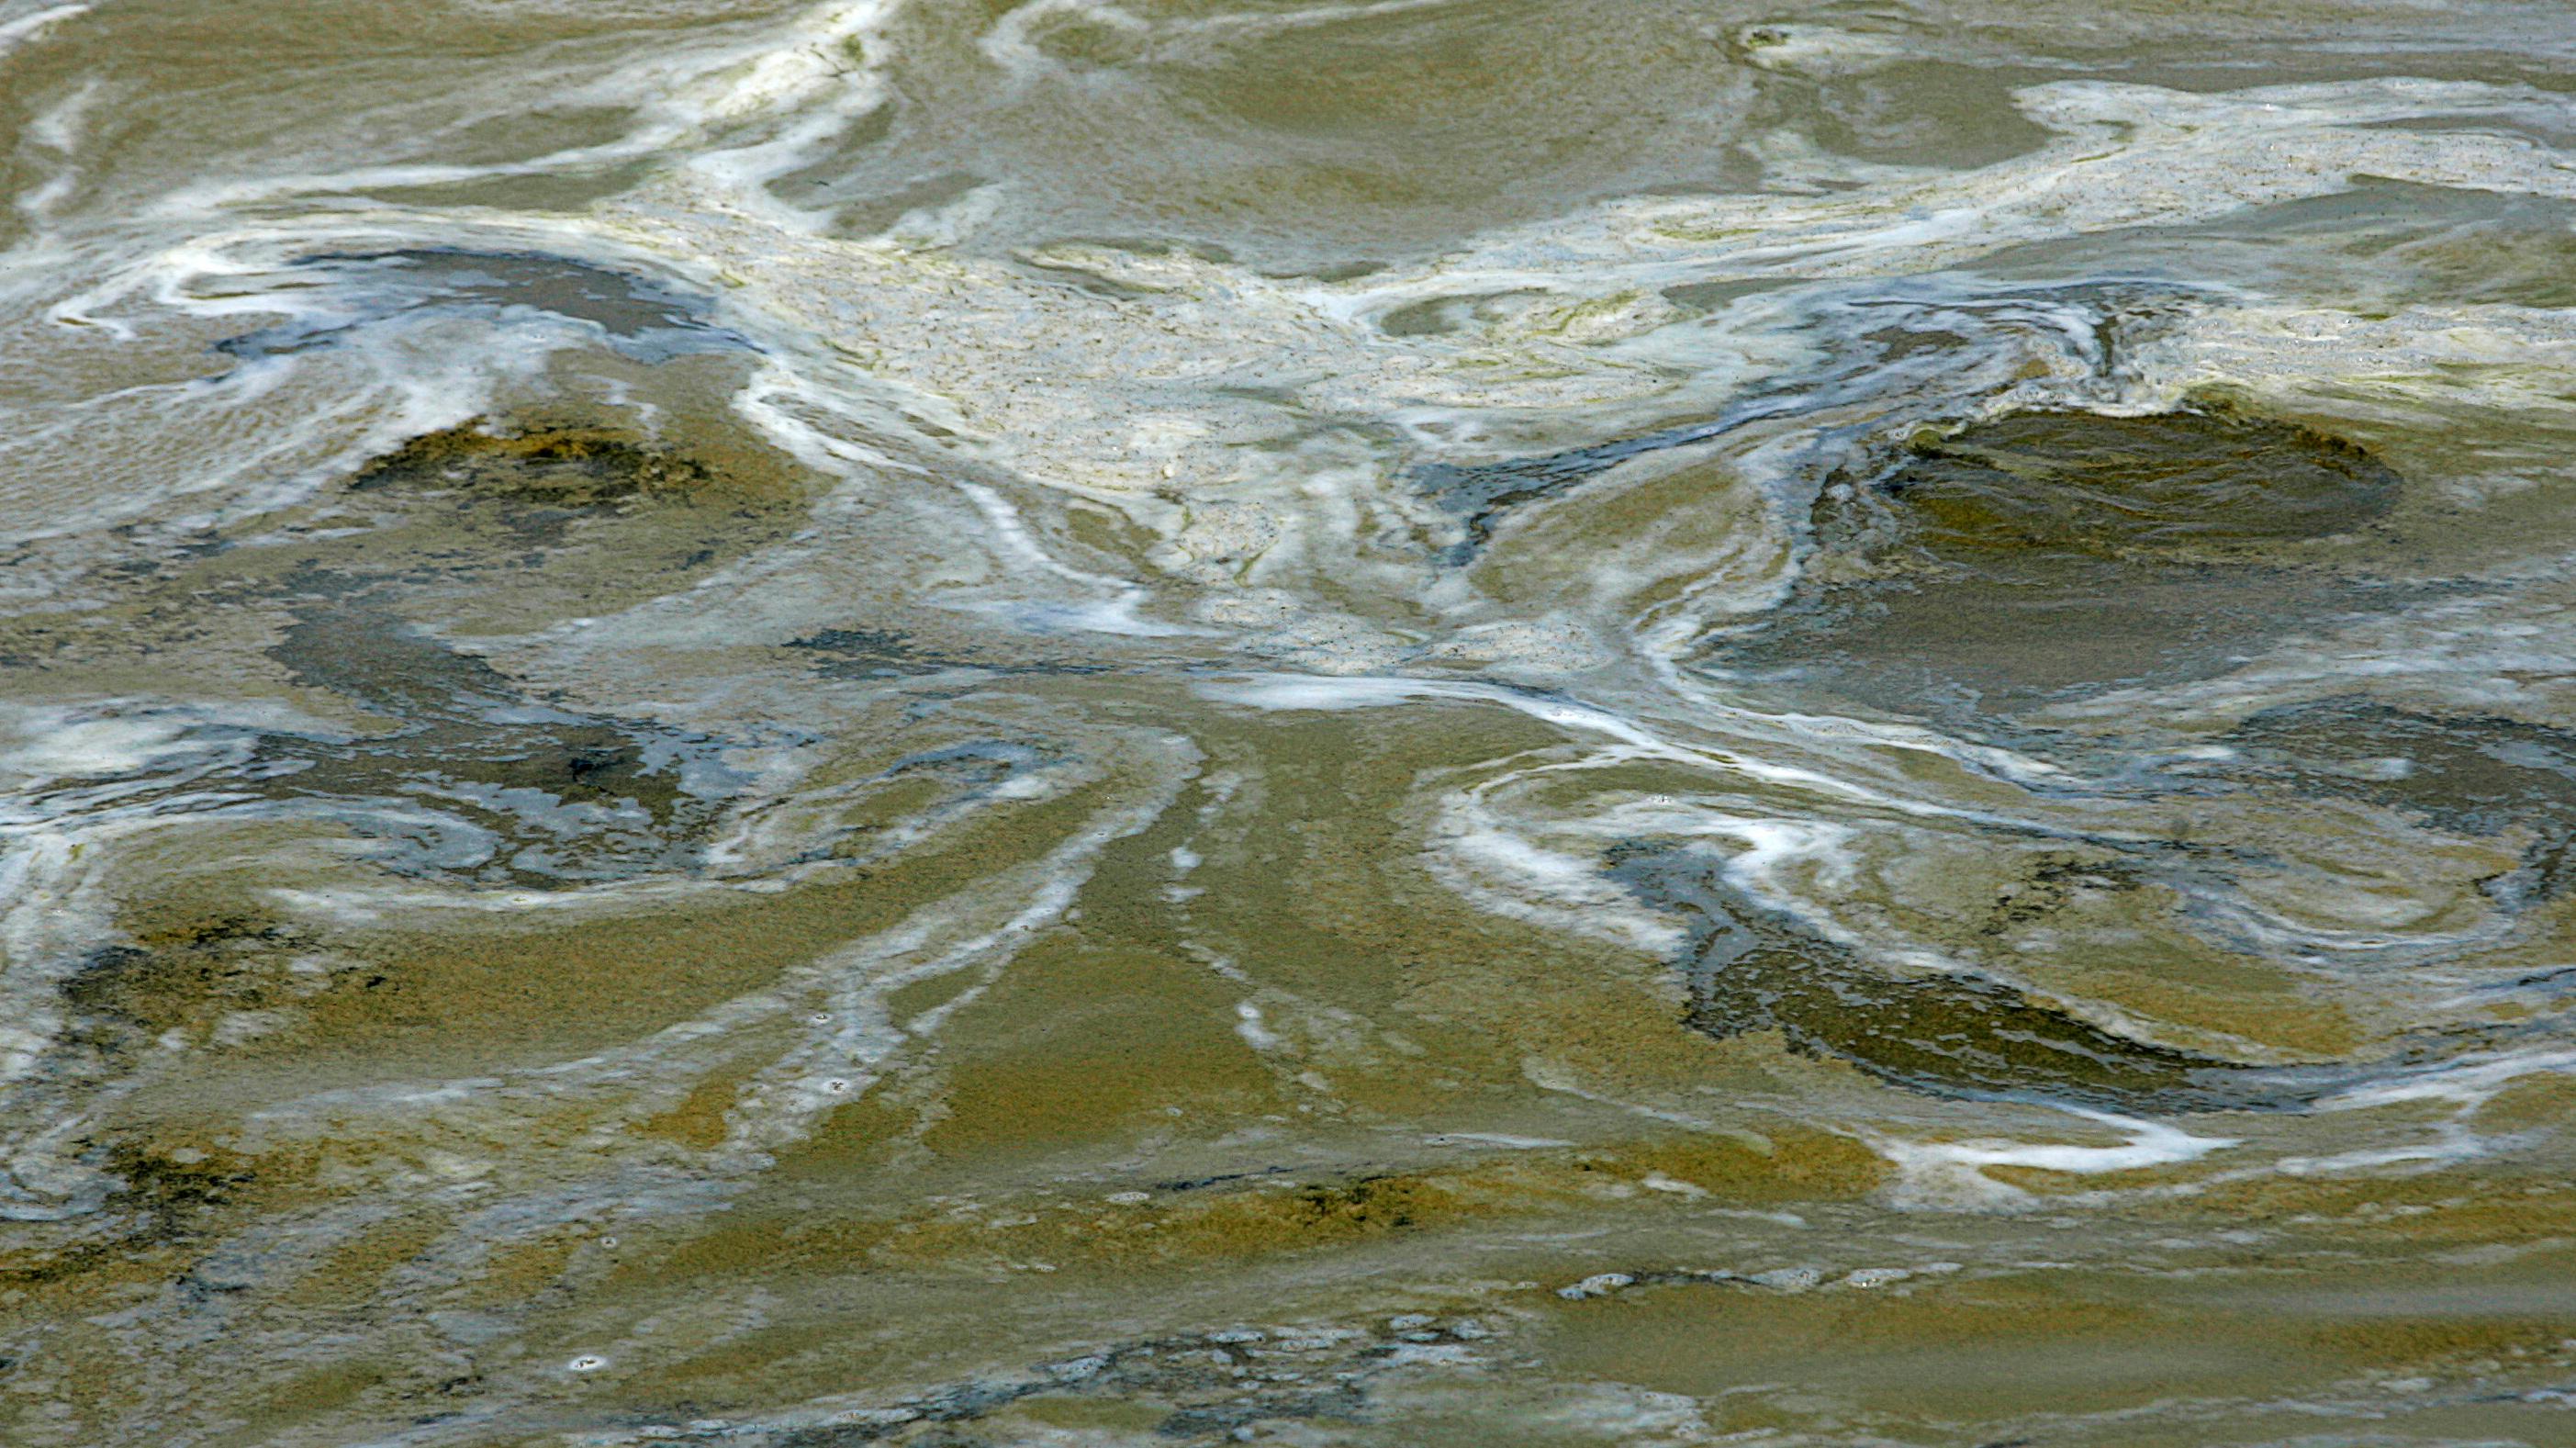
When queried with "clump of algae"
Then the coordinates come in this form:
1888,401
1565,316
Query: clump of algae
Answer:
2088,483
557,463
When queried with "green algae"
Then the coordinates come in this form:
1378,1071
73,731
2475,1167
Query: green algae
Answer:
1752,970
2050,555
557,466
2045,483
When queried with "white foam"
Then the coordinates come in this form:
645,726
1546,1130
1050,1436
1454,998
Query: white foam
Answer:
1951,1172
2464,1086
1248,1025
1117,614
28,28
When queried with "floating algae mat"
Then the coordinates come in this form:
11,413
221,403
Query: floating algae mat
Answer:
1455,723
2115,550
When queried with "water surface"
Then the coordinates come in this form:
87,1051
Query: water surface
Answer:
1423,722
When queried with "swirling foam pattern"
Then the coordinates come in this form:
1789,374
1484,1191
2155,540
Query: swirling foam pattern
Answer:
1407,722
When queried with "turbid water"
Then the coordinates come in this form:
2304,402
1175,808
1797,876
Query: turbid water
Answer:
1397,723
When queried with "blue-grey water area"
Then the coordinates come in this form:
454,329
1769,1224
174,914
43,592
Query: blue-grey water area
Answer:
1417,722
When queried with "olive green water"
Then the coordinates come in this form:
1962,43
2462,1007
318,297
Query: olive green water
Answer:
1405,723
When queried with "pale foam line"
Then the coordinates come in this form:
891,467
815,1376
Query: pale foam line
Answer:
1331,692
26,28
736,85
2150,1144
57,129
840,1056
1312,15
1952,1172
1495,1138
1117,615
1008,44
1489,866
2469,1083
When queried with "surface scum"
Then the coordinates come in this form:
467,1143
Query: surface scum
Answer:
1402,723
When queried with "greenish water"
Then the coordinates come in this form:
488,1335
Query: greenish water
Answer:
1436,722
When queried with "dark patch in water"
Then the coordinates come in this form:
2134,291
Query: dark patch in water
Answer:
513,788
1192,1184
2479,776
865,653
170,977
1216,1386
2079,482
1750,969
543,480
173,1190
862,653
640,317
166,1198
2053,554
563,467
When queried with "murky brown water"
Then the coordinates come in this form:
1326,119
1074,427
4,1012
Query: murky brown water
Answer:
1403,723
